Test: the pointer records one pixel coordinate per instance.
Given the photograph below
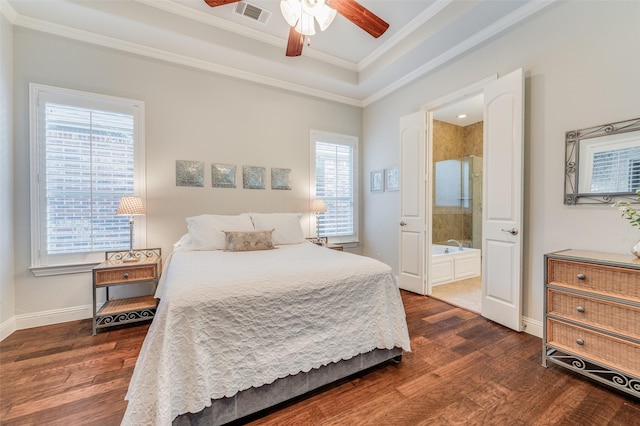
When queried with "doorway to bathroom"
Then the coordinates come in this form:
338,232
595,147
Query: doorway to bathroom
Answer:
456,210
502,196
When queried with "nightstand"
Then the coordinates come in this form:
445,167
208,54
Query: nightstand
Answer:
114,271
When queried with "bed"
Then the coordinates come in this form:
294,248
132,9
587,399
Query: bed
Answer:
237,331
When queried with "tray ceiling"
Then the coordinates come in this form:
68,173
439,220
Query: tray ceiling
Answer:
343,63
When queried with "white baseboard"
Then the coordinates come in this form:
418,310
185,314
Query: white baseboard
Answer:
531,326
7,327
38,319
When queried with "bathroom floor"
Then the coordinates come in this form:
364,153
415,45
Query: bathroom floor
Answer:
464,293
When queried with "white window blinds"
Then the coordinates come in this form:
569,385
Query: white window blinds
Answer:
616,171
336,184
86,154
88,167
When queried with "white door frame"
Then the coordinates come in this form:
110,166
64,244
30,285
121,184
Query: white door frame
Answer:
503,142
470,91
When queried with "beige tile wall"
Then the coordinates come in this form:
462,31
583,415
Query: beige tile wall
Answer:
451,142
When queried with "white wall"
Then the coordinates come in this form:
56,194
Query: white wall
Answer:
7,288
582,65
190,115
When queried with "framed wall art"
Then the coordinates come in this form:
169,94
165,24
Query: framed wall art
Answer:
223,176
392,179
253,177
189,173
377,181
281,179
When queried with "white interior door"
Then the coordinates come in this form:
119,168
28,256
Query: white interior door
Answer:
411,270
502,193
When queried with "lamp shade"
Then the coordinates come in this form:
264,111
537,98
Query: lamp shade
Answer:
131,206
318,205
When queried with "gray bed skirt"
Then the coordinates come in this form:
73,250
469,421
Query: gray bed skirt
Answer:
253,400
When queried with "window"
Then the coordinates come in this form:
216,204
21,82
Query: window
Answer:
87,151
334,166
609,164
616,170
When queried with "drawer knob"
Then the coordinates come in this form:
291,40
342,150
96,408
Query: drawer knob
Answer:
580,342
580,308
126,275
580,276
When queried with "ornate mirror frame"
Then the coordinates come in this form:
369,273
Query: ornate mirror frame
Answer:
573,140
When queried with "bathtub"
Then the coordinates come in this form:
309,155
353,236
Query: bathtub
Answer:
449,264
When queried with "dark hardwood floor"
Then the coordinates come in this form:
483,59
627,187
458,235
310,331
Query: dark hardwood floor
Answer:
463,370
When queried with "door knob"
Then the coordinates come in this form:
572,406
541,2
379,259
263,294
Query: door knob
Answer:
512,231
403,223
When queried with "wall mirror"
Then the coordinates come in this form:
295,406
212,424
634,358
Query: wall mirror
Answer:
602,163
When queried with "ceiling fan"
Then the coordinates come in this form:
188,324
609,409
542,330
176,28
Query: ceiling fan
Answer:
300,15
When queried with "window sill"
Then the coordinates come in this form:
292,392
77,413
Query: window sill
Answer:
45,271
345,244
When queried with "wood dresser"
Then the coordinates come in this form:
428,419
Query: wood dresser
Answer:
592,316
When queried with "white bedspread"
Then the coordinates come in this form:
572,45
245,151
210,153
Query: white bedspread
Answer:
231,320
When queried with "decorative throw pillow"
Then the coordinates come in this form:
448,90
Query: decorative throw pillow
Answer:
248,241
206,230
286,226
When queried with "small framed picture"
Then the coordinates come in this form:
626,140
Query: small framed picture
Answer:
189,173
377,181
223,176
253,177
281,179
392,179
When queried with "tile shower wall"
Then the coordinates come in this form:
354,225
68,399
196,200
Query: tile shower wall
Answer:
455,142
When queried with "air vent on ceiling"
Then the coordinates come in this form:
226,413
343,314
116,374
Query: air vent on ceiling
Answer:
252,12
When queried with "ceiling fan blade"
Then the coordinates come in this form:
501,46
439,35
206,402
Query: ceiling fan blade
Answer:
214,3
359,15
295,43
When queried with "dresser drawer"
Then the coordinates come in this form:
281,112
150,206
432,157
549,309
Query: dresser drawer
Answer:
617,353
120,275
606,280
614,317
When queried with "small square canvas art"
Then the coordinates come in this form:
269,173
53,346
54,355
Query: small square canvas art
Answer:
223,176
281,179
189,173
253,177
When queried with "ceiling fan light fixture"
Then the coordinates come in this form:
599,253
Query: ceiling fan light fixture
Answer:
305,25
301,14
290,11
325,15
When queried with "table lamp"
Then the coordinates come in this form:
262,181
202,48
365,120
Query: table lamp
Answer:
318,206
132,206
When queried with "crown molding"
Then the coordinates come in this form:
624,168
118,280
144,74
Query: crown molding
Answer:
403,33
8,11
172,7
152,52
490,31
175,8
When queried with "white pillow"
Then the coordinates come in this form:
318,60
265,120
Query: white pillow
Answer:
207,230
184,243
286,226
